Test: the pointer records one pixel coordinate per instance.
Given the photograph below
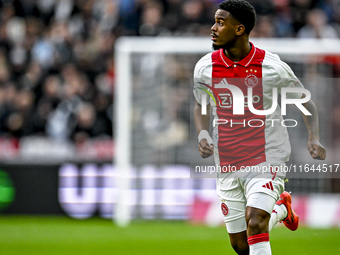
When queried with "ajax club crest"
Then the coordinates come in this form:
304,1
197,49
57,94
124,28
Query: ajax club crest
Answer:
251,81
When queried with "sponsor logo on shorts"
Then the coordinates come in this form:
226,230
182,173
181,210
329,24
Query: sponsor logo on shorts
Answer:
225,209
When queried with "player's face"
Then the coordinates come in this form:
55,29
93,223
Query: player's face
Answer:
223,31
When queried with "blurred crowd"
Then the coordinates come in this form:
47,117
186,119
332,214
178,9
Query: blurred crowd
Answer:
276,18
57,56
56,68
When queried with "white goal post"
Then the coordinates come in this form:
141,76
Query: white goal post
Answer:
126,46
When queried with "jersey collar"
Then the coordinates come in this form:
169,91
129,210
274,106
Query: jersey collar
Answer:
244,62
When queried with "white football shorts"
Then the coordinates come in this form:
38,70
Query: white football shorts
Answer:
259,186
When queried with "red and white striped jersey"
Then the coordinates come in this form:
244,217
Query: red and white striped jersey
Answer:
243,141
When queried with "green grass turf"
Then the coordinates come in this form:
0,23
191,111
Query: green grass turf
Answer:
61,235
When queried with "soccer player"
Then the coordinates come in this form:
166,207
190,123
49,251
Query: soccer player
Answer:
252,202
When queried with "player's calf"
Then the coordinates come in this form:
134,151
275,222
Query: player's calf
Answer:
239,243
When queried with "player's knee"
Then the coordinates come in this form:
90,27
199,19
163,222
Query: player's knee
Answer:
257,225
257,221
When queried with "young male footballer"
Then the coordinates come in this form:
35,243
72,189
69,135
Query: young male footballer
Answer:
250,136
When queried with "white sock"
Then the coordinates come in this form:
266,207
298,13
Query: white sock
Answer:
278,214
259,244
260,249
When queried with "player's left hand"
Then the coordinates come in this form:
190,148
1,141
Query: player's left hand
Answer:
316,150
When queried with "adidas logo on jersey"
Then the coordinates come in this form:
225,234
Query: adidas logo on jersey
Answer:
268,185
222,84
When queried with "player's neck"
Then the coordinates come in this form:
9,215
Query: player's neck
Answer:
238,51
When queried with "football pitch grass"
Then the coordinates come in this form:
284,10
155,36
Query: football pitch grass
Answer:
61,235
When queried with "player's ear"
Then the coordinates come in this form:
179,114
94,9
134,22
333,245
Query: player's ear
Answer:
240,29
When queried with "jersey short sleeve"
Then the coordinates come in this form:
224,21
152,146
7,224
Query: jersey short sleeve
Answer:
286,77
202,75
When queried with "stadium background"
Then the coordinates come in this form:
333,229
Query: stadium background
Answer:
57,129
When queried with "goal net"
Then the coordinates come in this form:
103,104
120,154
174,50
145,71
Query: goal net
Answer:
156,141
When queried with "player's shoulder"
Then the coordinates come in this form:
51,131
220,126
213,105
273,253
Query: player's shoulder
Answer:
204,61
273,61
202,64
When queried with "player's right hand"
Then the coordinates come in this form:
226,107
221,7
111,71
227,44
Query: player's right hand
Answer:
205,149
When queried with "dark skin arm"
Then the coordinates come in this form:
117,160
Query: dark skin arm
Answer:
202,122
315,148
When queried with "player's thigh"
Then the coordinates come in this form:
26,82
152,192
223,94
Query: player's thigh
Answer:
233,205
262,193
234,215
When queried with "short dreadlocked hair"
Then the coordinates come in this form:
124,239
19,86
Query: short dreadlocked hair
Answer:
241,10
